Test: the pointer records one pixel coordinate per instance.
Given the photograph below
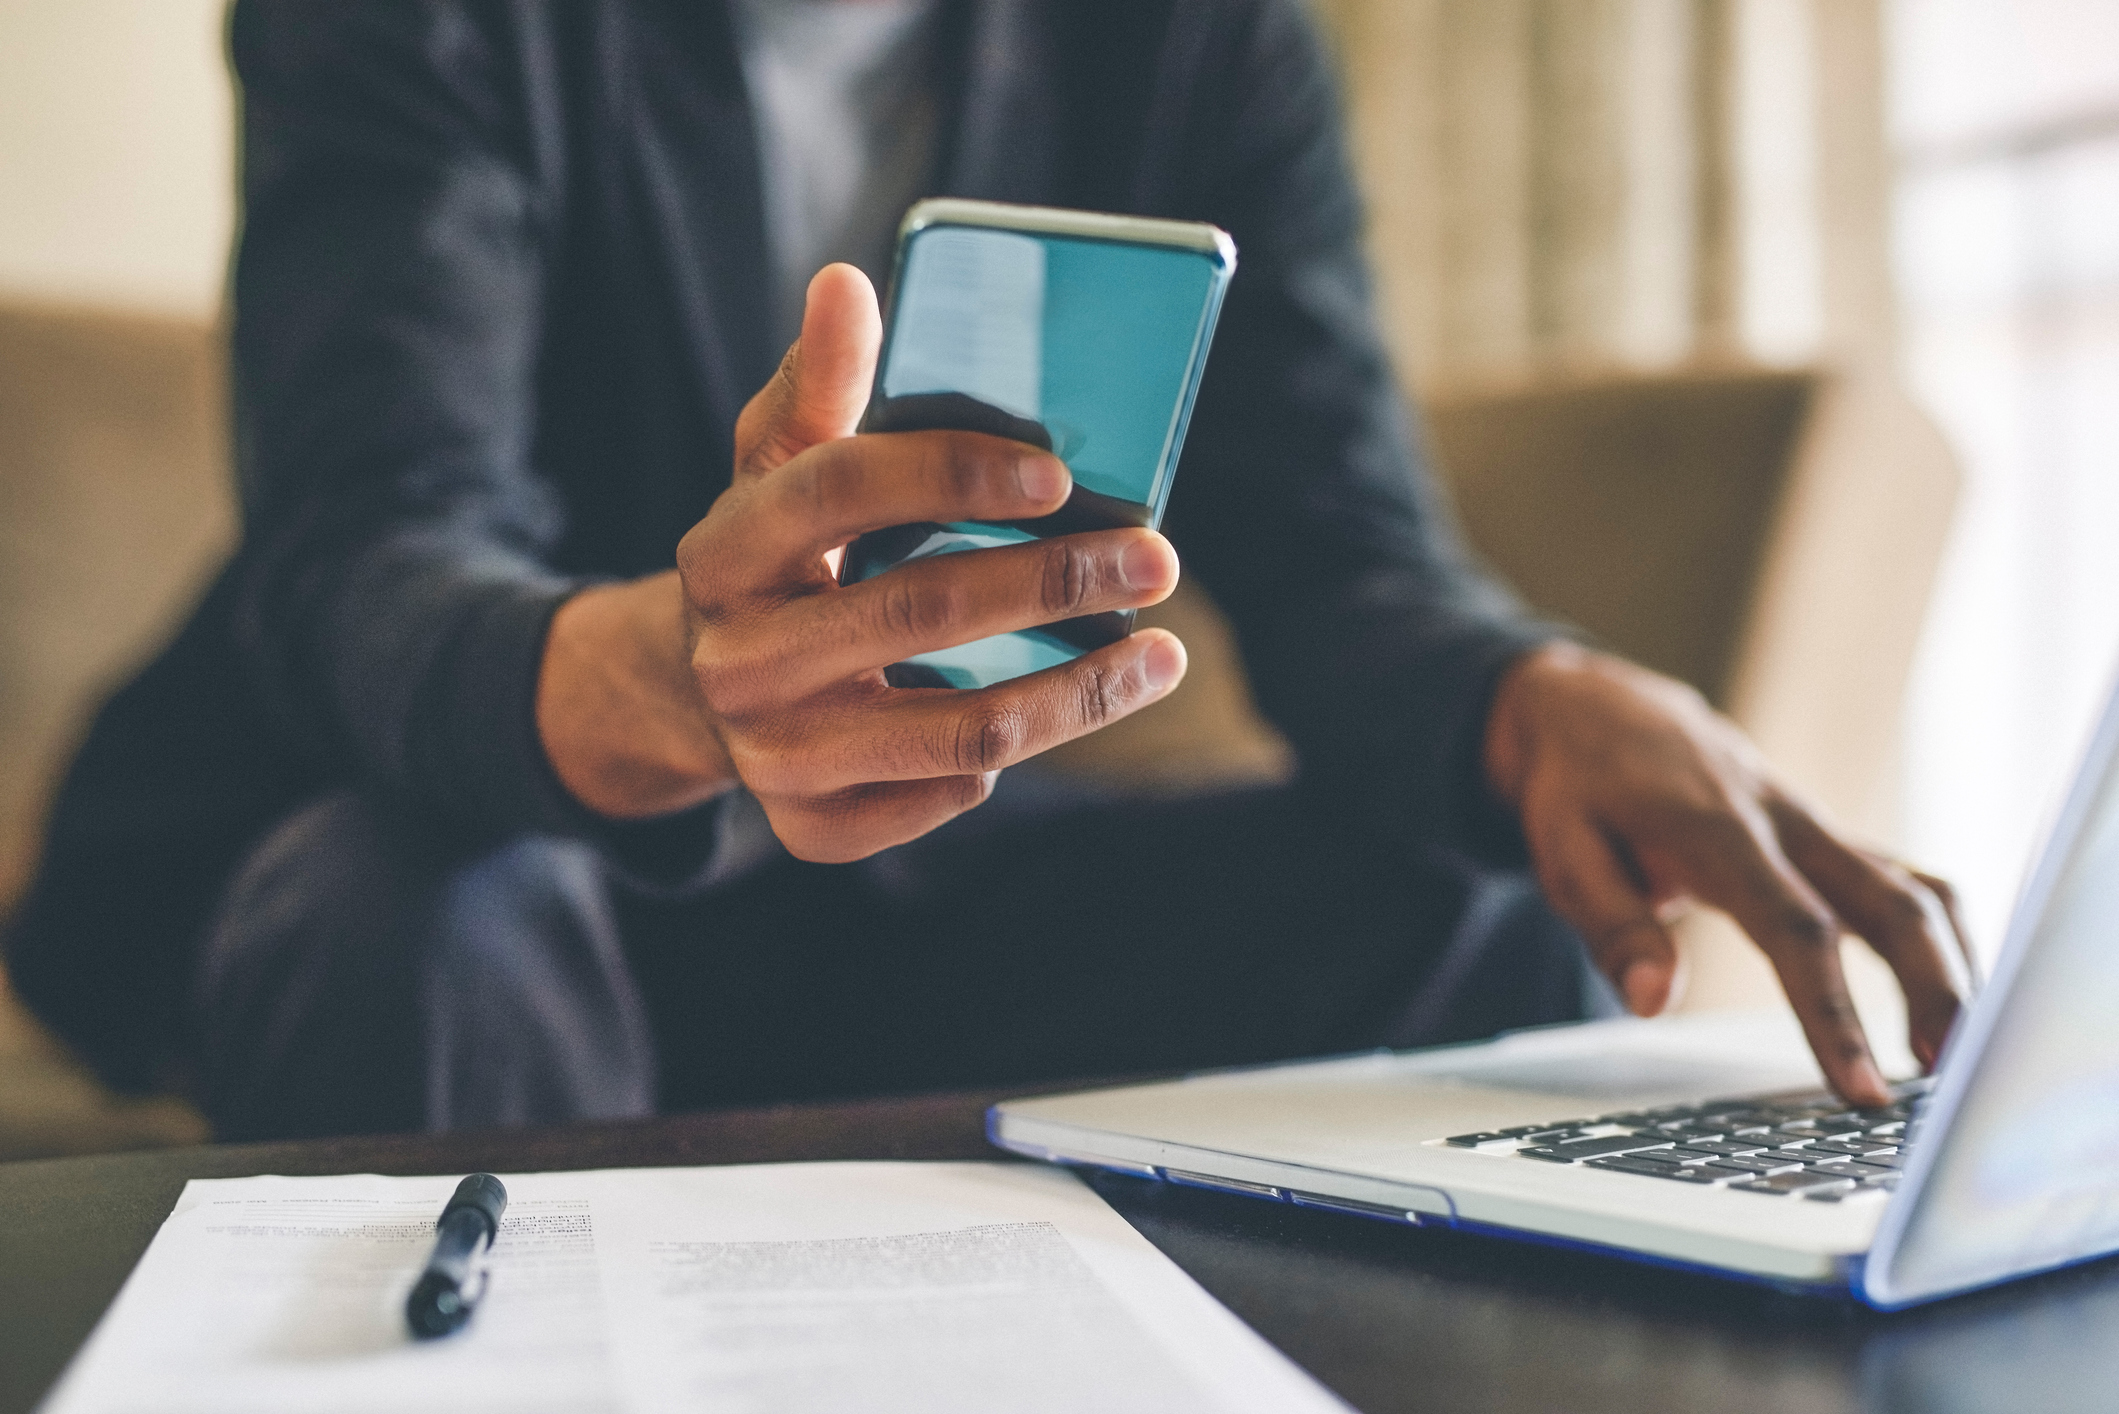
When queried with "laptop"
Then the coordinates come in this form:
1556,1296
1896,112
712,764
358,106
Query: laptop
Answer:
1704,1141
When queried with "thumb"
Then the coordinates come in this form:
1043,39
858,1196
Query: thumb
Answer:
822,386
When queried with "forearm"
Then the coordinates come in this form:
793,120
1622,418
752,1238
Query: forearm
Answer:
618,710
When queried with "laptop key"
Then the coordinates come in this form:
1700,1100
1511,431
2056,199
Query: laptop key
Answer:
1650,1168
1579,1149
1691,1133
1757,1164
1473,1141
1724,1148
1632,1119
1800,1154
1812,1129
1853,1148
1848,1168
1790,1183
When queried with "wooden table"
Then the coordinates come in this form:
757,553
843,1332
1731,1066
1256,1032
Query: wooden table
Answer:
1393,1318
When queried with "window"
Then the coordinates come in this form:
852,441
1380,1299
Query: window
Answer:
2006,123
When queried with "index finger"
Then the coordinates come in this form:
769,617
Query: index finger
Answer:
839,490
1747,876
1885,907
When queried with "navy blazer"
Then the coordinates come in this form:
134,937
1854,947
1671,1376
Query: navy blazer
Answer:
501,291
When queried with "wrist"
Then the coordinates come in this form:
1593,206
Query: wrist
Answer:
618,710
1509,746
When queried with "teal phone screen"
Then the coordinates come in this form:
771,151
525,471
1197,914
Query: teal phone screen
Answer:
1089,348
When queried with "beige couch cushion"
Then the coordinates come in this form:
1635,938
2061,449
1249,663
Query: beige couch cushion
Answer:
113,507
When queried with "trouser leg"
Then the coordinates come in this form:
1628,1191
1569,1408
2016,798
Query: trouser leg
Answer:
362,976
1020,946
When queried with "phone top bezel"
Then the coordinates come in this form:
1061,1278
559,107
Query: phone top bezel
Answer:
1208,240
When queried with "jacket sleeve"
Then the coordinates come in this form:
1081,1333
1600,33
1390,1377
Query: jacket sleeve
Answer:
1304,505
397,574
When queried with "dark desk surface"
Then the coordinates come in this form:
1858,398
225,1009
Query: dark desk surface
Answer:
1393,1318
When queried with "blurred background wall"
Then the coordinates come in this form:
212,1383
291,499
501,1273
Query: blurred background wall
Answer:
2005,123
115,157
1620,183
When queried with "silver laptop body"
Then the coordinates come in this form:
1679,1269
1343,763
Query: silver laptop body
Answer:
2007,1164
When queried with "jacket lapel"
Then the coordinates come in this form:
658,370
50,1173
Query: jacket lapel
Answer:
698,154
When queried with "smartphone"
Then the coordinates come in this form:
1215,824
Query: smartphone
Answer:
1077,332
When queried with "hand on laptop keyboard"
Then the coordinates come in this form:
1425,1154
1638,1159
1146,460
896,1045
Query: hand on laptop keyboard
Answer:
1637,797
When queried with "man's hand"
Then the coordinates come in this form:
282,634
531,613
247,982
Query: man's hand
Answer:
751,664
1637,797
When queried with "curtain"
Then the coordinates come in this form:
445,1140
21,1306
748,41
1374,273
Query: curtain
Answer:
1564,185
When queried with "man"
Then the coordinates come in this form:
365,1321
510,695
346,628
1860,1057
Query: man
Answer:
548,773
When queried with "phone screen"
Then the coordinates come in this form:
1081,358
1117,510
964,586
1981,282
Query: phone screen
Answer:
1089,348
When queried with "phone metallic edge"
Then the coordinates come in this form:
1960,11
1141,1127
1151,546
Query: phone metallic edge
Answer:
877,552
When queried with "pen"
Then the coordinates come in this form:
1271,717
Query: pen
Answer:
468,1224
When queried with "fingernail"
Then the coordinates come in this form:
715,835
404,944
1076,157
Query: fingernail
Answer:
1164,663
1644,985
1041,477
1145,564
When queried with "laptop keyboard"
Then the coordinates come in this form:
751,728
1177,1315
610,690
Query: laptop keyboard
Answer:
1809,1145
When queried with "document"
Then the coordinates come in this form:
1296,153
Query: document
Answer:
877,1287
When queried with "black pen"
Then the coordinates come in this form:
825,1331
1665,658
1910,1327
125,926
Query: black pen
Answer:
439,1303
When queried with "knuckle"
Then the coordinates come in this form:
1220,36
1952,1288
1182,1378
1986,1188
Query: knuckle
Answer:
733,685
987,739
1904,915
1103,694
921,607
898,608
970,473
1716,825
1068,578
1807,930
816,483
1837,1007
767,769
824,483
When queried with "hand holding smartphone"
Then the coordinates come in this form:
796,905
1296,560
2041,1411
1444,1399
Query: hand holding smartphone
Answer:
1082,334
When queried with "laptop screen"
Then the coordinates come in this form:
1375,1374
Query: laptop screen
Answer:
2025,1173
